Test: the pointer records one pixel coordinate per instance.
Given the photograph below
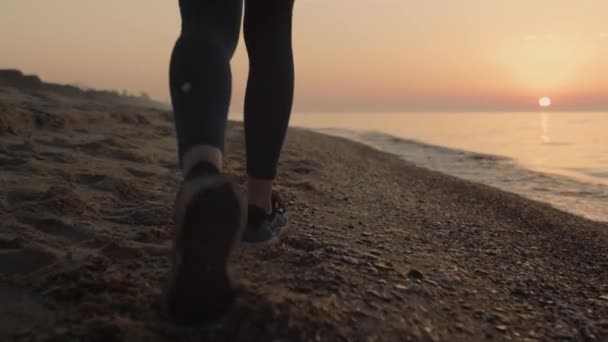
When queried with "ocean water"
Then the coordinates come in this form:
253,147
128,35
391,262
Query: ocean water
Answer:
558,158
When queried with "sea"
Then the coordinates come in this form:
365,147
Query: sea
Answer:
555,157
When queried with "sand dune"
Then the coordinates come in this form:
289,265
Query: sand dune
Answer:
381,250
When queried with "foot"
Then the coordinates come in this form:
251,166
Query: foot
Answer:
208,222
265,228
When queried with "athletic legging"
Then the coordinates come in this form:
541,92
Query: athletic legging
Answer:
201,81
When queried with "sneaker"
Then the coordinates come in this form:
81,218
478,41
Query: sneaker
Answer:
208,222
263,228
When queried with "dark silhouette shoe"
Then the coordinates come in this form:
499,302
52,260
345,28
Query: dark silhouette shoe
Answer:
263,228
208,223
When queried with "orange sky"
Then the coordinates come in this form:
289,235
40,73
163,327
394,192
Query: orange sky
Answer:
385,55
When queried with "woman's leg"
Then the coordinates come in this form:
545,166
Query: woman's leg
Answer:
269,96
200,78
208,213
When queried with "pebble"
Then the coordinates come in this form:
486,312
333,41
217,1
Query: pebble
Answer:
481,273
375,252
373,293
400,287
382,266
349,260
501,327
415,274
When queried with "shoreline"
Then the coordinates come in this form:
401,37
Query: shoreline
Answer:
447,157
381,249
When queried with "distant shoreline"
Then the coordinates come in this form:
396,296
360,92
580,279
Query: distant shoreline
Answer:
17,79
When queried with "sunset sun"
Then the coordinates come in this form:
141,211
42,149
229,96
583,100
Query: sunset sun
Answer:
544,102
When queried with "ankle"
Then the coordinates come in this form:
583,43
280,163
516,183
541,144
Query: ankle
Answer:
208,156
259,194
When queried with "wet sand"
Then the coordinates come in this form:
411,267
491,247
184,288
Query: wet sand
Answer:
381,250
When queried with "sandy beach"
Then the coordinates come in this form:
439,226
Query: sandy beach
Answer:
381,250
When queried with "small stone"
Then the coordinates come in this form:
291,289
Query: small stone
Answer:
604,297
481,273
400,287
501,327
366,234
382,266
375,252
415,274
373,293
349,260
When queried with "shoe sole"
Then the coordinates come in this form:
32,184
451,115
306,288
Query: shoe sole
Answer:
207,229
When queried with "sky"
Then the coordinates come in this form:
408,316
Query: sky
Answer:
362,55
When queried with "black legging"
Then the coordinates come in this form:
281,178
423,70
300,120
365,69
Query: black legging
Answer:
201,81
